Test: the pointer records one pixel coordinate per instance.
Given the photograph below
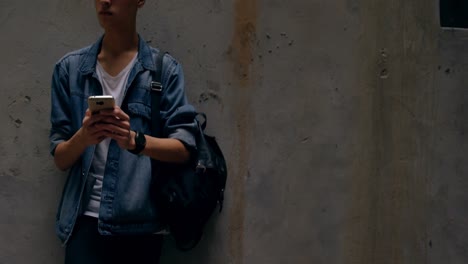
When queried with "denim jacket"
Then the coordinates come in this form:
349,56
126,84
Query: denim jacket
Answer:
126,203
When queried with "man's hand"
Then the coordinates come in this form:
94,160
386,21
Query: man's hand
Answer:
115,124
90,132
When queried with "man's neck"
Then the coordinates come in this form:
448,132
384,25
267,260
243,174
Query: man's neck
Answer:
115,44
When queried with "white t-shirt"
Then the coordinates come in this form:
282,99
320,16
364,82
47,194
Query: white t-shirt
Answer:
115,86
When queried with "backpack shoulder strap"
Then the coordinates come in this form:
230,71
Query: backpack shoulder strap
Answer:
156,92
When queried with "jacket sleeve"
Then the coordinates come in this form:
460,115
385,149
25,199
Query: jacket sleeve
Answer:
177,115
60,111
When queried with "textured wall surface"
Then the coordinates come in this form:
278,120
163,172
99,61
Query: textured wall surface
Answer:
343,123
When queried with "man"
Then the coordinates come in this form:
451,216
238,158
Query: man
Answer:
107,213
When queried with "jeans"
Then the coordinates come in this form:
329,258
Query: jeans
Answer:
87,246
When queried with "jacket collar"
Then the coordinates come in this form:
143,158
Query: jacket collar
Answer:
145,58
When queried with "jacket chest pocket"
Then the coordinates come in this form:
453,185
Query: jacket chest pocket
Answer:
140,117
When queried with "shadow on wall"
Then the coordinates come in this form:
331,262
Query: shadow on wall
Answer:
453,13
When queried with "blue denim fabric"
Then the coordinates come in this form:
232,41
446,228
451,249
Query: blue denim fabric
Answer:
126,204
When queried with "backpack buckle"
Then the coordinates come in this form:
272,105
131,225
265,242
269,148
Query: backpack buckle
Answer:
156,86
200,168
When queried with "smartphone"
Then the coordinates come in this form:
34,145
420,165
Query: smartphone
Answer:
100,102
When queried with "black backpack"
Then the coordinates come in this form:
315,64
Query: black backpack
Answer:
187,194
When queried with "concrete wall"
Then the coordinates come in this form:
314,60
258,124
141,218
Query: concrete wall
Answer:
343,123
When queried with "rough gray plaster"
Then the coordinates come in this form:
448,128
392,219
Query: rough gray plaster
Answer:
343,123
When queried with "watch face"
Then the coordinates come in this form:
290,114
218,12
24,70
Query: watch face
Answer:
140,139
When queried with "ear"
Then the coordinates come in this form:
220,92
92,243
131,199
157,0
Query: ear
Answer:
141,3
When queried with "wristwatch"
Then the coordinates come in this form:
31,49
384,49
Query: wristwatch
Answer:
140,143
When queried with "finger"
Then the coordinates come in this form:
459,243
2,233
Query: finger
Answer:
129,134
117,112
122,140
121,114
99,136
118,137
97,119
86,117
89,122
114,129
97,132
116,122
